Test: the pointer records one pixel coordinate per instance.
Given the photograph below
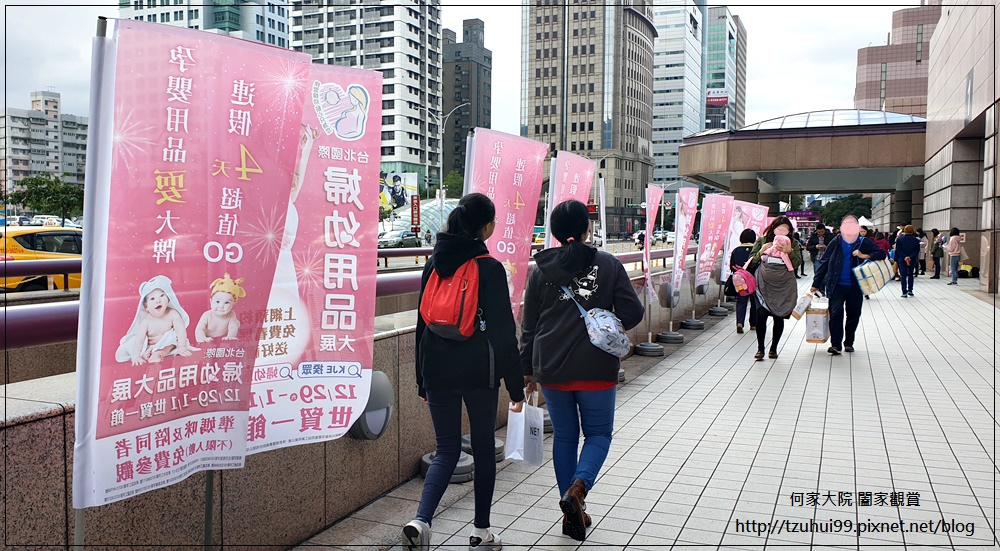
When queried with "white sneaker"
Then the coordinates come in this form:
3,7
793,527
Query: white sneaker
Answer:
416,536
479,544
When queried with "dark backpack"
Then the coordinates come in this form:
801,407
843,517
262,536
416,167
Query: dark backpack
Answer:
449,305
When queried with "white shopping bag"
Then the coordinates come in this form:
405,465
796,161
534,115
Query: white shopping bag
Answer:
525,433
802,305
818,321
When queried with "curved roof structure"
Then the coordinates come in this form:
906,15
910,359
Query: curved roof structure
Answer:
825,119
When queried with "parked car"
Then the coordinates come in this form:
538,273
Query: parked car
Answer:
664,236
40,243
398,238
539,238
652,238
596,238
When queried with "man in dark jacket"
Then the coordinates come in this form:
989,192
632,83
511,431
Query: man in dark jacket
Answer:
835,277
818,243
907,254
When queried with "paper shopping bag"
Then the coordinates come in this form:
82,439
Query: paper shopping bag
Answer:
802,305
525,434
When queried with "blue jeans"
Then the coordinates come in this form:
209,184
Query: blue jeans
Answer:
741,310
954,268
446,415
906,276
569,411
937,266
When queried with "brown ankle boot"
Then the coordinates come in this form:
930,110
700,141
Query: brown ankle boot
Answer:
573,505
587,521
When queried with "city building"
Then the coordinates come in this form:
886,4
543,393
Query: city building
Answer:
257,20
725,69
678,94
41,140
468,68
963,115
587,87
401,40
893,77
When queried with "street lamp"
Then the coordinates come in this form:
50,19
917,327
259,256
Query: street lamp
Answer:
441,122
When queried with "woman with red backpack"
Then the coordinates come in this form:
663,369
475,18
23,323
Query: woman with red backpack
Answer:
462,362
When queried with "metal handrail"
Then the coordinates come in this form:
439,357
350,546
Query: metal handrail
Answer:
57,322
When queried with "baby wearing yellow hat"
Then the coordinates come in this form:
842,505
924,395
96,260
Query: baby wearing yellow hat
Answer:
220,320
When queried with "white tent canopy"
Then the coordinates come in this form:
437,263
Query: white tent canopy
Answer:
864,221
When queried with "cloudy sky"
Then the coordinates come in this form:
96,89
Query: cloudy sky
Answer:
801,57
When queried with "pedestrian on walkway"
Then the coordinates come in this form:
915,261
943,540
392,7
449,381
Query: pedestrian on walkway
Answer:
802,243
578,379
776,287
882,243
836,279
937,252
817,244
907,255
924,251
451,371
954,251
737,259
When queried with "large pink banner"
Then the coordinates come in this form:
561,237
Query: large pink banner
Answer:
716,210
654,194
745,215
573,177
204,131
508,170
685,211
315,356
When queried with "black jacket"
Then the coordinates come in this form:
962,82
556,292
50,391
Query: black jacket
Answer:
828,272
555,347
907,245
814,241
449,364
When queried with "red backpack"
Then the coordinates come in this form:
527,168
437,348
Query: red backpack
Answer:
450,304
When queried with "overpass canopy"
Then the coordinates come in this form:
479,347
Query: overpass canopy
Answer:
837,150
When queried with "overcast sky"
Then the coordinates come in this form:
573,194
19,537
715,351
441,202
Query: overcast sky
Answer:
800,57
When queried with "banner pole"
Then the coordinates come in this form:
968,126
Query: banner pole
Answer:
209,506
80,515
79,518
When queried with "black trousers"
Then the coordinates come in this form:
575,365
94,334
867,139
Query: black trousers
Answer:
846,299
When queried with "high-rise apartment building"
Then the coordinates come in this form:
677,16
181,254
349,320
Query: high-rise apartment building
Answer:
893,77
41,140
587,87
257,20
403,41
678,94
725,69
468,69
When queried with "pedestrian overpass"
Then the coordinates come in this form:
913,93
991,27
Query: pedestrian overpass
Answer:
833,151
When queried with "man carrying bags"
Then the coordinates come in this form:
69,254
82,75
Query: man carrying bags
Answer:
834,276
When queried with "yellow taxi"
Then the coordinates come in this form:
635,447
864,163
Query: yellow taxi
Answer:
39,243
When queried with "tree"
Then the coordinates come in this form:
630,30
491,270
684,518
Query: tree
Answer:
454,183
48,193
853,204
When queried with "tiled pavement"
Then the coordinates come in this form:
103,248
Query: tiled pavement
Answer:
708,440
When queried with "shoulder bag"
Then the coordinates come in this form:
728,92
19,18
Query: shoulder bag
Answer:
604,329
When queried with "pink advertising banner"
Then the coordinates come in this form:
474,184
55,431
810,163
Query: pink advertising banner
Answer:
314,361
508,170
181,257
745,216
654,194
685,210
716,210
573,176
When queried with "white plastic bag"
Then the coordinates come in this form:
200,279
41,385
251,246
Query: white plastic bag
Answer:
525,433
